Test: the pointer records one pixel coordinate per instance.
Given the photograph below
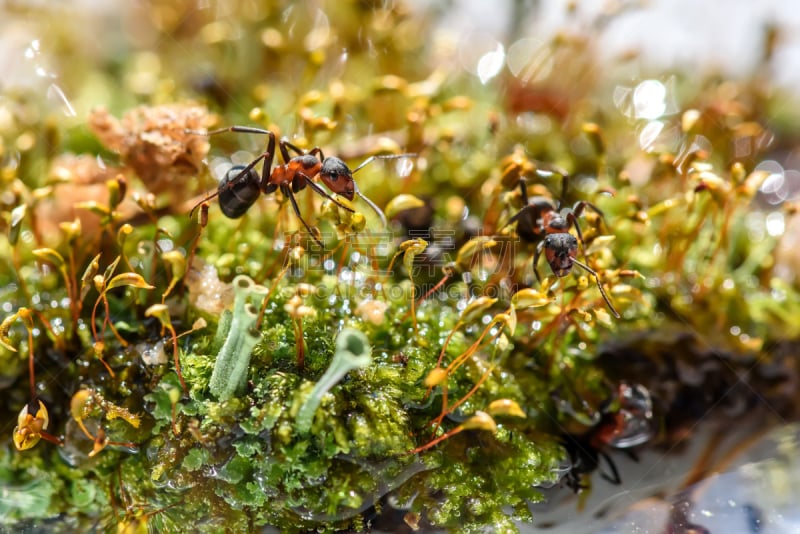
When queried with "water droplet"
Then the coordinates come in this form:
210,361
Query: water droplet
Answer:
775,224
649,99
165,245
774,186
490,64
728,284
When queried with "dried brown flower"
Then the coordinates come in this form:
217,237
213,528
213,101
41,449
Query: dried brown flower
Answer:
154,142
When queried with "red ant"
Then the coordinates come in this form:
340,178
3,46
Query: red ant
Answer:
626,421
540,221
240,187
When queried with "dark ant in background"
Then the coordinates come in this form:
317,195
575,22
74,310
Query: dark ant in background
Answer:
241,186
625,421
540,221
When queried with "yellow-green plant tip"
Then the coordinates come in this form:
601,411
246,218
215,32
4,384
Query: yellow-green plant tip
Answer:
128,279
507,407
402,203
529,298
480,421
49,255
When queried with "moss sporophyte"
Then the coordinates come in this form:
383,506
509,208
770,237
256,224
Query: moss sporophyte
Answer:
225,332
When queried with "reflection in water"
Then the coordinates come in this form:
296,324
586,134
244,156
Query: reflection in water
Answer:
757,495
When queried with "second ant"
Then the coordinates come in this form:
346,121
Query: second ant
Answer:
542,222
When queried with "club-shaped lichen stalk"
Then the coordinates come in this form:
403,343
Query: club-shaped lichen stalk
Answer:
230,369
352,351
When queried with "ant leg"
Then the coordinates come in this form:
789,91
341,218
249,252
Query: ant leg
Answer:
267,155
287,192
583,204
523,190
239,129
614,478
536,255
316,151
564,187
285,145
266,169
591,271
527,208
572,214
572,218
631,454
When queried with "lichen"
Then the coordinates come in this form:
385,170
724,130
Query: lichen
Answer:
233,361
352,352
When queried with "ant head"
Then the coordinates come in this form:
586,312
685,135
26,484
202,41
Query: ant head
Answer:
338,177
560,250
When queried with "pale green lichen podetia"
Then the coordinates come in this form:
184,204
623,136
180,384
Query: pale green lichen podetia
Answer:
230,369
352,351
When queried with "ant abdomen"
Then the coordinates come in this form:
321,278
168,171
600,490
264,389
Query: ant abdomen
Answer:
236,195
530,222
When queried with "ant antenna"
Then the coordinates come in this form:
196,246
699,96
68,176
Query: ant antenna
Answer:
591,271
372,205
363,197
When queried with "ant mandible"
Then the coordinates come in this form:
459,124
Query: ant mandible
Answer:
240,187
540,221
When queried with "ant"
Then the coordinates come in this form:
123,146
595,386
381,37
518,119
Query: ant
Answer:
626,421
240,187
540,221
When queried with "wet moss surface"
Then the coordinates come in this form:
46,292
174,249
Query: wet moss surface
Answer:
166,366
